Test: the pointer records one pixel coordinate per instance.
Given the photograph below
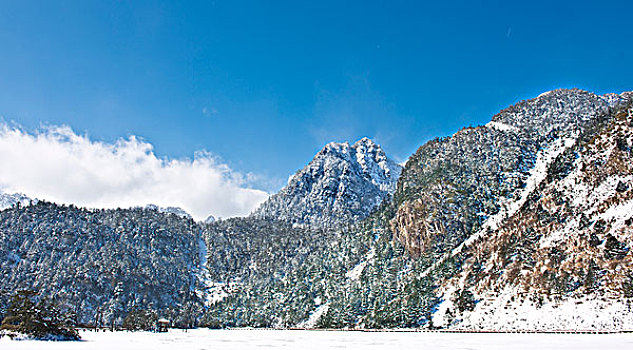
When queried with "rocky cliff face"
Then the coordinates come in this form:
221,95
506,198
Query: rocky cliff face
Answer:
341,185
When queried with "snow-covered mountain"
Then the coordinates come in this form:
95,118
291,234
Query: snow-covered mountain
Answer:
341,185
450,186
8,200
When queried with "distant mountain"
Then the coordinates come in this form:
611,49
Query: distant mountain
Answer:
341,185
9,200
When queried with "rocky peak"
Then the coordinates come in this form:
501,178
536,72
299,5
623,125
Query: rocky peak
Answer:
340,185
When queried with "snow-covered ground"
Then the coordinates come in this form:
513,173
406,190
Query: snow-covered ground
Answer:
296,339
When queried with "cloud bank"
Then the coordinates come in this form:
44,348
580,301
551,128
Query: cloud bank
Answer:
58,165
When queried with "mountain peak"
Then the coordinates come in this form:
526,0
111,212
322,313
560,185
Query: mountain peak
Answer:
340,185
335,147
365,142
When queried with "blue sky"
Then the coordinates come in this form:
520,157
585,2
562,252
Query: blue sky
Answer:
264,85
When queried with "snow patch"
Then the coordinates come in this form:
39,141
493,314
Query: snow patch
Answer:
501,126
514,310
315,316
441,317
354,274
211,292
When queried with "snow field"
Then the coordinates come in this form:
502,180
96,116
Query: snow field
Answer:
502,313
299,339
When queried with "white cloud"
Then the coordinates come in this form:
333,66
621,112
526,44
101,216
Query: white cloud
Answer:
58,165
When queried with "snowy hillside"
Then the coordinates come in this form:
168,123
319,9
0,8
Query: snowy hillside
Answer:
450,186
341,185
567,248
533,229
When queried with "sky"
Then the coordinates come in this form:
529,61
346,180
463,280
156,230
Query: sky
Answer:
241,94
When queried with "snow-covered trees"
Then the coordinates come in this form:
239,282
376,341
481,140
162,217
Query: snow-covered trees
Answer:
99,263
37,317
